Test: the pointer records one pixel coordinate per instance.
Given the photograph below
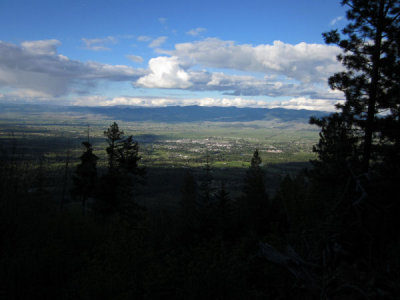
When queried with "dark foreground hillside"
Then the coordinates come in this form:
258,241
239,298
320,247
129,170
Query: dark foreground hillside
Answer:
123,232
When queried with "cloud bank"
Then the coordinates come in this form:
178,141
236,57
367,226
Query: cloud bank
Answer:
35,66
276,70
238,72
303,62
294,103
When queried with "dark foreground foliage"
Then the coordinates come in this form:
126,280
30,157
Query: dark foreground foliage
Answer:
316,238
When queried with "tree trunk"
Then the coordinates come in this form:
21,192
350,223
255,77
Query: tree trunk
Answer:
373,91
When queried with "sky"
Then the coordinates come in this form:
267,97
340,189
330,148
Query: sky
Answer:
254,53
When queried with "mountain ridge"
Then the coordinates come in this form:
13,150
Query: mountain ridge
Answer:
176,114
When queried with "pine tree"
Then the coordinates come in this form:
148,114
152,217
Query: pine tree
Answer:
113,135
116,187
254,181
359,161
206,203
127,156
255,202
123,152
224,211
371,56
188,197
206,190
293,208
188,209
337,149
85,176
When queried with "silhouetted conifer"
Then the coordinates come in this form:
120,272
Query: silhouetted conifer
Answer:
291,205
371,80
224,212
85,176
113,136
254,204
337,149
206,202
358,149
127,156
116,189
188,196
188,215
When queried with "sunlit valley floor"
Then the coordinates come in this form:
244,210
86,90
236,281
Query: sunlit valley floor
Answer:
167,148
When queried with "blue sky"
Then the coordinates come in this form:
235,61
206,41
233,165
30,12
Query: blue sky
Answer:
254,53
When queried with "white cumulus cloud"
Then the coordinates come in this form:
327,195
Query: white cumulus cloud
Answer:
299,70
303,62
174,73
165,72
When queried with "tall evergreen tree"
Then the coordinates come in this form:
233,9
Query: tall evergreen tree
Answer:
127,156
85,176
337,149
206,190
116,187
371,56
113,135
189,195
224,211
188,209
359,161
255,202
254,181
206,202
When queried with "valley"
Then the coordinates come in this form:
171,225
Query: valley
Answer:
43,134
162,144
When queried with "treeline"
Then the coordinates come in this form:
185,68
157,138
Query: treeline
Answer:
112,246
322,233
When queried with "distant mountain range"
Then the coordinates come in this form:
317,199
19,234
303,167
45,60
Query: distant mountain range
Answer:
175,114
